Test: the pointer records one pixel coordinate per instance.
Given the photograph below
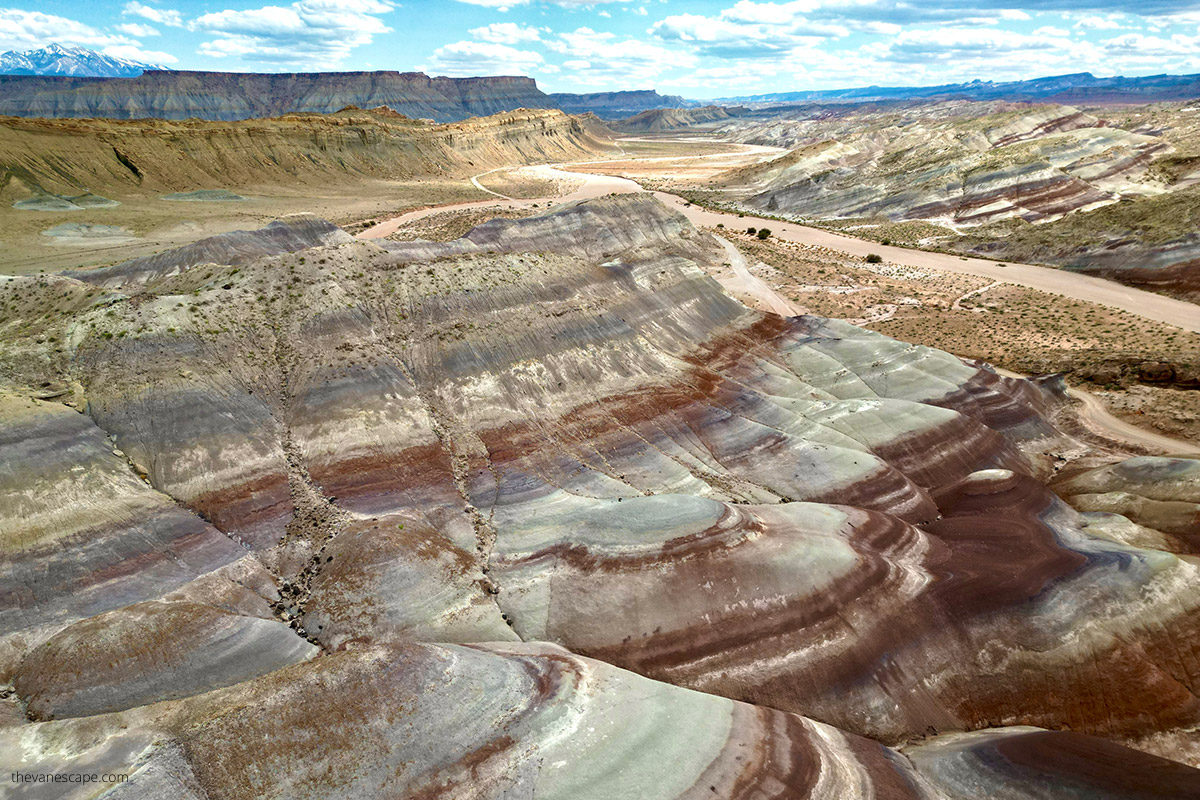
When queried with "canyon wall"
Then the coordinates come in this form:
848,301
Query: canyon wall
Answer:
233,95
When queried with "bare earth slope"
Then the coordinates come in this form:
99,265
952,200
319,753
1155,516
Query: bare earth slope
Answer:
669,119
474,518
1111,192
70,156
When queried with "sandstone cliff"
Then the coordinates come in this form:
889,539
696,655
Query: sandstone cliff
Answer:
236,95
614,105
233,96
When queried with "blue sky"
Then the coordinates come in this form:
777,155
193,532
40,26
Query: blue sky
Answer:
697,49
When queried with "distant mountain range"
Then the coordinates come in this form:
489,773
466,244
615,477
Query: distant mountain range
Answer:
1077,88
57,59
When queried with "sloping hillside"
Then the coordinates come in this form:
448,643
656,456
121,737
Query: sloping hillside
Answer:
106,156
390,520
1108,192
670,119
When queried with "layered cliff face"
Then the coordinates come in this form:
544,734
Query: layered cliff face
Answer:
615,105
1035,164
670,119
474,518
233,96
179,95
63,157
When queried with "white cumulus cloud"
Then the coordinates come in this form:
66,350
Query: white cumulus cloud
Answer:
135,53
506,33
136,29
308,33
163,16
466,59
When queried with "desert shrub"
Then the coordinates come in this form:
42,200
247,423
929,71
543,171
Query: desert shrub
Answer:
751,231
764,233
874,258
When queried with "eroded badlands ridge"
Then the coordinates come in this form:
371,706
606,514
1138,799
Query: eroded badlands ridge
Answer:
1108,191
317,500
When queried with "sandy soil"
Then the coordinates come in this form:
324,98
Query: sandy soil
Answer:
157,224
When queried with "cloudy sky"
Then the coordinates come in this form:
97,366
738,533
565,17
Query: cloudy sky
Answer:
697,49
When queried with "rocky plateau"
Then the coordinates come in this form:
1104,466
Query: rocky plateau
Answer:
227,96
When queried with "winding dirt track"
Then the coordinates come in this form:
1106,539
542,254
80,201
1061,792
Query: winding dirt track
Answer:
1096,416
1046,279
745,282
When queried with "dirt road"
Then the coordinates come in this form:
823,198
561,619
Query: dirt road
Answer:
743,282
1094,415
1046,279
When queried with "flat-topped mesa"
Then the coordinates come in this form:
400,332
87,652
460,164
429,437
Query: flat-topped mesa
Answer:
178,95
182,95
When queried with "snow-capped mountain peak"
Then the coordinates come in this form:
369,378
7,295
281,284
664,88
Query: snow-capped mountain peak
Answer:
57,59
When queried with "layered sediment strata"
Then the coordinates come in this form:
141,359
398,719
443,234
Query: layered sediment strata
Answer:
561,429
228,96
113,595
298,232
670,119
1159,494
533,720
45,158
82,534
958,163
1109,192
